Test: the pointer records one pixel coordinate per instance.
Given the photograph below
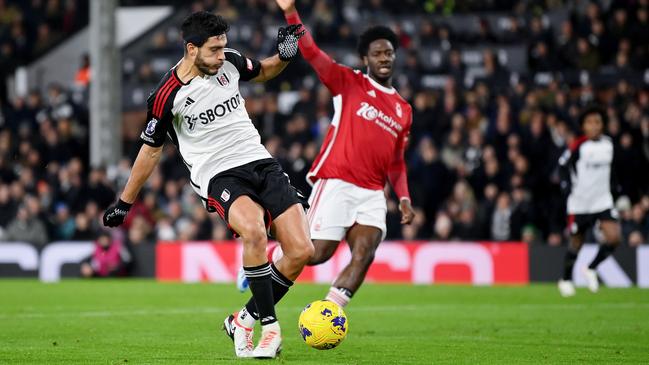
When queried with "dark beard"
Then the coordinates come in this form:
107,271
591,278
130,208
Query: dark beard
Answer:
204,68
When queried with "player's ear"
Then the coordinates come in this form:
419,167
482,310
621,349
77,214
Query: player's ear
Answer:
365,61
191,50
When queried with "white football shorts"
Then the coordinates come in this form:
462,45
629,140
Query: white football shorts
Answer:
336,205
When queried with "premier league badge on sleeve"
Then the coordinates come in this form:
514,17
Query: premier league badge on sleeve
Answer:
399,112
225,195
150,127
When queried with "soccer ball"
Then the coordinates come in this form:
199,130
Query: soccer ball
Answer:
323,325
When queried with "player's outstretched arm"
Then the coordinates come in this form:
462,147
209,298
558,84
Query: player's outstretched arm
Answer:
287,47
145,162
332,74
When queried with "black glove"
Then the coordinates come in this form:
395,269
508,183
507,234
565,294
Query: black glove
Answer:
115,215
287,39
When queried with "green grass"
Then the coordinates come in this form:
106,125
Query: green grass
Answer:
144,322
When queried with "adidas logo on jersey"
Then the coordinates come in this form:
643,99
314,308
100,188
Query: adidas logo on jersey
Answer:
372,93
189,101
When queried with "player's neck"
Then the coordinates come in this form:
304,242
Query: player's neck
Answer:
386,83
186,70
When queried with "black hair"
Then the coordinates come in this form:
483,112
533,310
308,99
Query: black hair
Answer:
200,26
374,33
592,109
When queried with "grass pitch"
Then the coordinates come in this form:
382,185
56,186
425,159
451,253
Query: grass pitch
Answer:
144,322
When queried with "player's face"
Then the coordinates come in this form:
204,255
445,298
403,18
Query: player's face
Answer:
210,57
380,59
593,126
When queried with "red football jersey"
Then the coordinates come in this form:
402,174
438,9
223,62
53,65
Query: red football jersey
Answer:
370,124
365,142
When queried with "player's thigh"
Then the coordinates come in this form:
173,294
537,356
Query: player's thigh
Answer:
324,249
292,231
611,230
578,224
246,217
363,241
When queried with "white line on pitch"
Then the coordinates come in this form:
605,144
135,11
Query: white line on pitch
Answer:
378,308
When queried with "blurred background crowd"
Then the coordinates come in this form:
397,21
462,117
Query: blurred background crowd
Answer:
496,89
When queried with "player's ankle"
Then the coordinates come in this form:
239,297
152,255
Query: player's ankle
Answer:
340,296
271,327
246,318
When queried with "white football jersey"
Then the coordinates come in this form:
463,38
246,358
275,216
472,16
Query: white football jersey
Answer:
589,164
207,120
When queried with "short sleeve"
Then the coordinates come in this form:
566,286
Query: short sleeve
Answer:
159,116
248,68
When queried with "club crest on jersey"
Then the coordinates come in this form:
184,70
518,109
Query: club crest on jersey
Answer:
225,195
223,80
150,127
399,111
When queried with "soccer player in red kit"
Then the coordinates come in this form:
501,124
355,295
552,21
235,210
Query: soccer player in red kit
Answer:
363,149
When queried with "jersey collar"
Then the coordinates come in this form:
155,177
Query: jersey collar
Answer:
387,90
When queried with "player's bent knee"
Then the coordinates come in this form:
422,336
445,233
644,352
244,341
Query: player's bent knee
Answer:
254,234
301,253
318,258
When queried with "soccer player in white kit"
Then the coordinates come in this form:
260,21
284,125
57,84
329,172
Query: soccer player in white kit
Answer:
586,170
198,106
363,149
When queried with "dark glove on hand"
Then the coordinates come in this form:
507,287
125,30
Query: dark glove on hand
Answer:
287,41
115,215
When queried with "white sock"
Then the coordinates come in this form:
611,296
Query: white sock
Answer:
245,319
338,296
271,327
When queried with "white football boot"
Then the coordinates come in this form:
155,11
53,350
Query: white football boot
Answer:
240,335
591,279
270,343
566,288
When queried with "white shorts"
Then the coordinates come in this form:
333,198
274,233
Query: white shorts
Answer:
336,205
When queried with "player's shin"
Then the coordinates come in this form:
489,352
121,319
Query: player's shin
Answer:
569,263
605,250
261,287
280,285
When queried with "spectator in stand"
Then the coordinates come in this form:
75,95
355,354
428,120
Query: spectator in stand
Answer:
27,228
82,78
110,258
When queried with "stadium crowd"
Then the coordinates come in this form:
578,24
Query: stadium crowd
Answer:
483,152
